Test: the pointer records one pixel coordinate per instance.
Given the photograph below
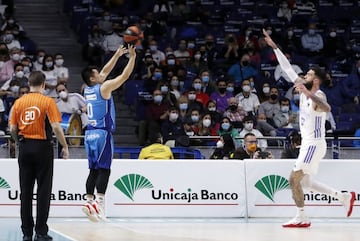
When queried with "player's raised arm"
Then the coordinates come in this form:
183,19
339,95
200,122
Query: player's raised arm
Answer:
111,63
283,61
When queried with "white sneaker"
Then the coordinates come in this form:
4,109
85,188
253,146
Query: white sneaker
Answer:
100,211
348,202
90,211
298,222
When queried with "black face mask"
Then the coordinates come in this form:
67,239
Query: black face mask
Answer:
245,63
273,97
222,90
233,107
309,85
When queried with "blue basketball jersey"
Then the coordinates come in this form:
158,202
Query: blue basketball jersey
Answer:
101,112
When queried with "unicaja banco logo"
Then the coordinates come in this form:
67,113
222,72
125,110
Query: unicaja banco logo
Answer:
4,184
129,184
271,184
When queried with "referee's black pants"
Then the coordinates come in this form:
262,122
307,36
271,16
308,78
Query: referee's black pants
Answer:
36,163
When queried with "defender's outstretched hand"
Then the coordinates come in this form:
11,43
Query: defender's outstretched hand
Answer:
268,40
131,50
121,50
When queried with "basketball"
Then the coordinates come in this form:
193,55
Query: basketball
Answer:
133,35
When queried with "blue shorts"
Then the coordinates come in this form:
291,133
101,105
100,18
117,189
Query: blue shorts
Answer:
99,146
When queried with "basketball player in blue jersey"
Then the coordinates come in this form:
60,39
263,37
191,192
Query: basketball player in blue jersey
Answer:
101,124
312,112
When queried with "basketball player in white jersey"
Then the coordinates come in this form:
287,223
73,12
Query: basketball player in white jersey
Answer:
312,113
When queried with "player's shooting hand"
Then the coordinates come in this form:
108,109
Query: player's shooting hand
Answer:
121,50
268,40
131,49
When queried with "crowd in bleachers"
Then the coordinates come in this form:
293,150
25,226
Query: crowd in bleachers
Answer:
204,69
204,64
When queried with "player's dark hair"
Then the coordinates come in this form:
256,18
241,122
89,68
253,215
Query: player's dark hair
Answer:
87,73
36,78
319,72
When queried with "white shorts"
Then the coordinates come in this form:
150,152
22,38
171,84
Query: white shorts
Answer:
309,156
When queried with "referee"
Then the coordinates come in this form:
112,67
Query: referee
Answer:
34,117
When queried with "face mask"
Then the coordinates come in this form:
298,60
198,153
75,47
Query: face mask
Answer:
158,98
252,147
164,89
153,47
59,62
311,31
266,90
233,107
49,64
246,88
26,69
284,109
195,118
219,144
15,57
197,86
14,89
197,56
183,106
63,95
332,34
181,84
173,116
205,79
8,38
1,64
269,32
230,89
171,61
19,74
158,75
206,122
273,97
191,45
175,83
225,126
290,33
222,90
125,22
192,96
40,59
248,126
106,18
212,109
245,63
296,97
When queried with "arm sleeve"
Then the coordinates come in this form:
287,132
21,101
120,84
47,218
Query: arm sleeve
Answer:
285,65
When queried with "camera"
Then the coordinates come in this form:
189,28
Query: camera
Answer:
263,154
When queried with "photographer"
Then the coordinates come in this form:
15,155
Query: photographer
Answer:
249,150
292,150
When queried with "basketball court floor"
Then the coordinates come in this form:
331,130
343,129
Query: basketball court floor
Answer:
188,229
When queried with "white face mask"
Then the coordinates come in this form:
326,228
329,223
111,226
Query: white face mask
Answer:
266,90
15,57
248,126
197,56
1,64
246,88
219,144
191,96
284,109
206,122
40,59
59,62
173,116
63,95
19,74
332,34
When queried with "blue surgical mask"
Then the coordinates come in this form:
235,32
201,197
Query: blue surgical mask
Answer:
205,79
158,98
171,61
183,106
296,97
164,89
225,126
197,86
195,118
158,75
311,31
230,89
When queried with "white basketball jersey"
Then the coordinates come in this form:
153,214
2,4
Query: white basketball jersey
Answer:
312,123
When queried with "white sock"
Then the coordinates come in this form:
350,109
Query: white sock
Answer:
100,197
300,212
89,198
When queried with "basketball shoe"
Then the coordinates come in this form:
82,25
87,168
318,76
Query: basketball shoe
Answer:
91,211
100,210
298,222
348,202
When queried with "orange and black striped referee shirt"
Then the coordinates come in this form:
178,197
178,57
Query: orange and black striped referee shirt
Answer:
33,114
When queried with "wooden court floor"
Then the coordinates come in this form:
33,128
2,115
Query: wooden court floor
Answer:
172,229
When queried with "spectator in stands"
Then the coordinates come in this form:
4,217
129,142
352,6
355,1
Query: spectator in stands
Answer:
271,106
7,69
235,113
158,56
183,103
112,40
94,50
156,150
156,76
208,85
4,54
211,108
290,42
335,92
248,39
264,94
211,54
192,122
173,127
168,97
250,150
240,71
230,87
248,124
352,87
181,53
9,39
231,50
226,127
224,148
312,42
61,71
266,56
202,97
155,113
26,62
197,64
39,58
221,96
50,76
105,23
284,12
174,86
285,118
334,45
248,101
292,149
193,103
295,100
263,126
10,88
171,65
71,103
10,22
181,11
283,81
